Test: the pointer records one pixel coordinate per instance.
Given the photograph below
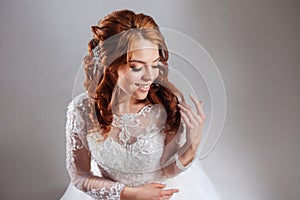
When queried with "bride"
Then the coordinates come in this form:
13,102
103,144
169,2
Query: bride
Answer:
131,135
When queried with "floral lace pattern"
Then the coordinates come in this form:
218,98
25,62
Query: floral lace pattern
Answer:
104,194
74,125
76,131
130,155
130,158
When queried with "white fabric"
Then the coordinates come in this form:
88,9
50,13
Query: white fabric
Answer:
133,154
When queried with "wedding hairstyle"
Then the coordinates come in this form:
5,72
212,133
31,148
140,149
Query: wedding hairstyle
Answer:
113,37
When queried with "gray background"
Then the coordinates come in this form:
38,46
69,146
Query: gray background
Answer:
254,43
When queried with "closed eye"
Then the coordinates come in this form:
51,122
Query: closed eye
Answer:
156,66
135,69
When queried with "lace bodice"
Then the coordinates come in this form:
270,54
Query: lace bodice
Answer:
131,155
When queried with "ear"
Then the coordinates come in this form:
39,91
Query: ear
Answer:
96,30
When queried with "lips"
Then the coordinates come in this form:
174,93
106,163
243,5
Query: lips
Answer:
144,87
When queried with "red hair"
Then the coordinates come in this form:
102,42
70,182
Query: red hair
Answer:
114,35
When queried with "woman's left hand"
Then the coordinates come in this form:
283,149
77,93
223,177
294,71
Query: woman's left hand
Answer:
194,121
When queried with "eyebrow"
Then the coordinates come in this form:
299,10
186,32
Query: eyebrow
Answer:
140,61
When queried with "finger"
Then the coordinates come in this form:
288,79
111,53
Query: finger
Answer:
165,197
185,119
185,106
197,103
201,112
199,107
169,192
190,114
169,197
158,185
189,108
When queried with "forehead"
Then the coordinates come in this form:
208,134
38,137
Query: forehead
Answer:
143,50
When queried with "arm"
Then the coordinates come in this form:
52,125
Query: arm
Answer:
78,160
177,156
78,166
183,150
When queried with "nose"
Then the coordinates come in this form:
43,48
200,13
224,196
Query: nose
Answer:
148,74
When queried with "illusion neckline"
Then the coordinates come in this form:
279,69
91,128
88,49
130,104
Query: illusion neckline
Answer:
140,112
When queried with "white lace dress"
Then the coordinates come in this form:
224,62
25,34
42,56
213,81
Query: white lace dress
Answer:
133,154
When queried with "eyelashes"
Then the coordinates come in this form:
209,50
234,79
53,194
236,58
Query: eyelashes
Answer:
137,69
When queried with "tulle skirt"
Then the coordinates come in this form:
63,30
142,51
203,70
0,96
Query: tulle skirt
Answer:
193,184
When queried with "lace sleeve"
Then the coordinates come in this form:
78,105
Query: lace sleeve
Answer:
171,165
78,159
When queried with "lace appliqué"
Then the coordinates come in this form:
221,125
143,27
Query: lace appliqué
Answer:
113,193
128,120
74,126
177,161
180,165
132,155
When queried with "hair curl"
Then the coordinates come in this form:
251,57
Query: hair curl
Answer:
114,53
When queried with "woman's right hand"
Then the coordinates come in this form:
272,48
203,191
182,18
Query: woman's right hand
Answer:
151,191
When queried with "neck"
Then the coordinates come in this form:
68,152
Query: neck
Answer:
127,103
131,105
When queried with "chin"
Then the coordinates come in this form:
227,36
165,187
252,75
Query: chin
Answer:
140,97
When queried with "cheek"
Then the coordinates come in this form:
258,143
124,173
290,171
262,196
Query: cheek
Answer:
131,78
127,82
125,77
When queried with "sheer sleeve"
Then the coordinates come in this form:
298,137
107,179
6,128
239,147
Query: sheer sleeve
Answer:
78,159
171,165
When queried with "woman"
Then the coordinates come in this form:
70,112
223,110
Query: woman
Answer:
142,138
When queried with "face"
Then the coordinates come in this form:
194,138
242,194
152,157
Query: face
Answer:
136,77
